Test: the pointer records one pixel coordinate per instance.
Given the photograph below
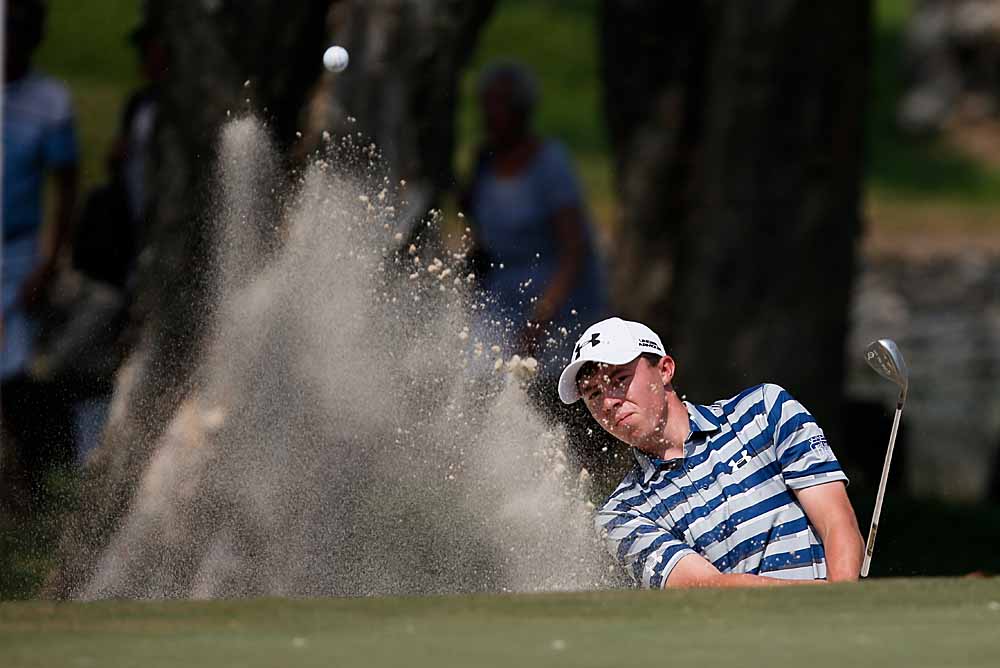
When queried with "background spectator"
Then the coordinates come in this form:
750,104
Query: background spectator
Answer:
84,352
39,140
534,252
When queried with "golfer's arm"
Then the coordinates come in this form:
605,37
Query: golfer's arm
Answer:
829,511
696,571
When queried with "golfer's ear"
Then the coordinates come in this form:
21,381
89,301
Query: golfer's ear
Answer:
666,367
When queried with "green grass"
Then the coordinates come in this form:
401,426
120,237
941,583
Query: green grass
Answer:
558,41
28,540
86,47
26,550
888,623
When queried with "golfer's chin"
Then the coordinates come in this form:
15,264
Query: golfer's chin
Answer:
650,446
642,437
631,431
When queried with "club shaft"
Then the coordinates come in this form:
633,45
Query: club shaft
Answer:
870,545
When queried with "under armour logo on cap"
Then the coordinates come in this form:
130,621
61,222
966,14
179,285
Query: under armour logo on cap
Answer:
594,340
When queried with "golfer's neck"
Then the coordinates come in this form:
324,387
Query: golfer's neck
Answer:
669,444
661,448
677,428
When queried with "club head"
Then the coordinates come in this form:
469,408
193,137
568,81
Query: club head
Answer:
884,356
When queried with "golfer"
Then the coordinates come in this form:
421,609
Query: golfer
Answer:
740,492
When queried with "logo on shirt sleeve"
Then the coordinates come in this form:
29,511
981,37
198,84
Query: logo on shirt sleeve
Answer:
819,446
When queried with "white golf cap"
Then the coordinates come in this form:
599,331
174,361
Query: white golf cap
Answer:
611,341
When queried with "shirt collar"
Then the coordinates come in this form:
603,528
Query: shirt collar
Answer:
702,420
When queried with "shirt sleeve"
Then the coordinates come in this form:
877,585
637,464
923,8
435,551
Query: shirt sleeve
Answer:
646,551
59,146
803,453
558,182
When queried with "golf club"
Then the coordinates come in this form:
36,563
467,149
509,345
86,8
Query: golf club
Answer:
884,356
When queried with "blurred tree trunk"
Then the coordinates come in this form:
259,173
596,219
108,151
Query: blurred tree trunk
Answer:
401,88
261,56
738,130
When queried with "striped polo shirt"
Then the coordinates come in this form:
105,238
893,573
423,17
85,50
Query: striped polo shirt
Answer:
730,497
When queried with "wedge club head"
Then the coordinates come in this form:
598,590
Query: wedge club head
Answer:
884,356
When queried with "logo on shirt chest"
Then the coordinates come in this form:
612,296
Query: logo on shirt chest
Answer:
738,463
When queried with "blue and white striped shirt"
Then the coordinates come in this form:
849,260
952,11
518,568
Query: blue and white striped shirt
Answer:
730,498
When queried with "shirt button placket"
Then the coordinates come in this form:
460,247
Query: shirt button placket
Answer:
700,488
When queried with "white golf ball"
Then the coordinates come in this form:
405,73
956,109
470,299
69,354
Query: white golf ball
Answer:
335,59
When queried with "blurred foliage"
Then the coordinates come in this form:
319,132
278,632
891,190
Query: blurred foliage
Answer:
902,166
87,41
558,40
86,45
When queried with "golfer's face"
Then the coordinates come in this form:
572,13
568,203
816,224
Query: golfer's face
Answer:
628,401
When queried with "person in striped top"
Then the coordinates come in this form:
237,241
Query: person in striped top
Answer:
741,492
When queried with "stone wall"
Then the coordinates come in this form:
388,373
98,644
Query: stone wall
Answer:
944,312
